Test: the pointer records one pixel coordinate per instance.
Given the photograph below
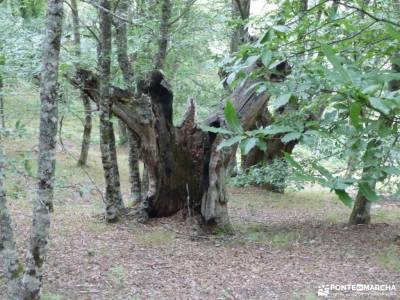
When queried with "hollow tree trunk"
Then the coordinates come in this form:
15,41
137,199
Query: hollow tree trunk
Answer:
87,126
113,197
182,162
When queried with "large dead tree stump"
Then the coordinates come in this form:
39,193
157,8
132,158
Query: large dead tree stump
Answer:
184,167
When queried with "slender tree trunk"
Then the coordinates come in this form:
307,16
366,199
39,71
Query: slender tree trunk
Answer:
166,7
43,202
240,9
113,197
87,127
122,133
8,250
2,113
125,65
361,211
240,34
87,131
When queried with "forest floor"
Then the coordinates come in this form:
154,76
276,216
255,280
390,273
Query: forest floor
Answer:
283,246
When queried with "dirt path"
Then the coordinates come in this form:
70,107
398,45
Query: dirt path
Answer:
284,247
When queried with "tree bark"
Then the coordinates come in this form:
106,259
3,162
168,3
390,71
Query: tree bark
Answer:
8,250
125,65
113,198
2,113
43,202
361,210
87,131
87,126
182,162
240,34
166,7
122,133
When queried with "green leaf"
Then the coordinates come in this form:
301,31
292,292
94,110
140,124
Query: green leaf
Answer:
215,129
281,100
324,172
281,28
344,197
229,142
261,145
392,31
292,136
379,105
355,114
231,78
266,57
274,129
367,191
232,118
247,144
334,60
303,177
265,37
391,170
251,60
292,162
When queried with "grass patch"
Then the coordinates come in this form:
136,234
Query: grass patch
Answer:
118,275
308,295
156,237
389,258
97,227
391,215
258,233
335,217
51,296
310,199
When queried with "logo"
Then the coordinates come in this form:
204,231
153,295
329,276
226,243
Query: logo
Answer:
323,290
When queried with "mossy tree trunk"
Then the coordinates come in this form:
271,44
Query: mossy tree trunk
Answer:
25,281
125,65
113,199
87,126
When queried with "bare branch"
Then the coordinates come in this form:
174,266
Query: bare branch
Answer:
185,11
369,14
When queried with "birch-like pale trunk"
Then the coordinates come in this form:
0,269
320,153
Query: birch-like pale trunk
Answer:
113,198
125,65
8,251
87,126
43,202
2,114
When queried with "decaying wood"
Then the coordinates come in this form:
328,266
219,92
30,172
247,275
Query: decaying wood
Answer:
181,159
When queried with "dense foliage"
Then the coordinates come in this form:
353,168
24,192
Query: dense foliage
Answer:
341,89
